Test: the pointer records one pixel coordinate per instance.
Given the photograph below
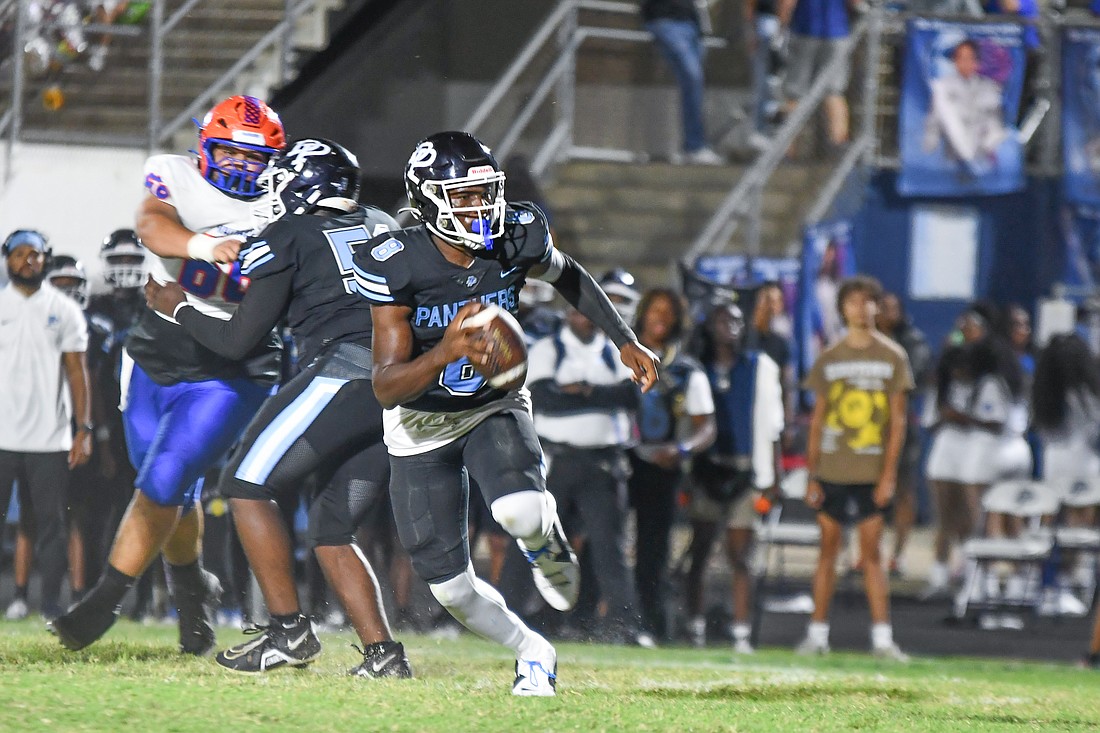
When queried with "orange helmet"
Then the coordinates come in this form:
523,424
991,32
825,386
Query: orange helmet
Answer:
245,124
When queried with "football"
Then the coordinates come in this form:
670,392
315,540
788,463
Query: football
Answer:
507,365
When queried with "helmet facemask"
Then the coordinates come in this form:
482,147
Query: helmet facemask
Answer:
488,223
269,205
234,176
124,271
67,275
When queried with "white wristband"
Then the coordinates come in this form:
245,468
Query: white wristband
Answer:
201,247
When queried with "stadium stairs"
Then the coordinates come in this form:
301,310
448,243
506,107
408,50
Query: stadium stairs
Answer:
644,216
111,106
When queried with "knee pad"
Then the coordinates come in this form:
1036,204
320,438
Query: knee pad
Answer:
526,514
457,592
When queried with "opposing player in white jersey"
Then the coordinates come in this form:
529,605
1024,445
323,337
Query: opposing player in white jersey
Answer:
183,405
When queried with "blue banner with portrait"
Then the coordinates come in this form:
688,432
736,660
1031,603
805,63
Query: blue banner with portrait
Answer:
960,98
827,258
1081,115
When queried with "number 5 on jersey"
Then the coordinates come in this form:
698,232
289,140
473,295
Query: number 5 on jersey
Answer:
343,243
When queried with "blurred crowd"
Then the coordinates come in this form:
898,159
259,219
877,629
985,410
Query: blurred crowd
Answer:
701,457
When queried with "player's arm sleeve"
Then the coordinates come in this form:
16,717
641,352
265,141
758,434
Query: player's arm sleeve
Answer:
580,290
257,314
548,397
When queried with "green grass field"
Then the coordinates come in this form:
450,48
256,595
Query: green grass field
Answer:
135,681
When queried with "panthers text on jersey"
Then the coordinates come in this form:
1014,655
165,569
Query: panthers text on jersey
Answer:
166,353
406,269
325,304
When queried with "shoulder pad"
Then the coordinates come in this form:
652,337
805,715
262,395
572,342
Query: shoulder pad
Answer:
527,232
382,267
377,221
161,172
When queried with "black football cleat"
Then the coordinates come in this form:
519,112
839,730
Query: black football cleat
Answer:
196,608
383,659
274,647
83,625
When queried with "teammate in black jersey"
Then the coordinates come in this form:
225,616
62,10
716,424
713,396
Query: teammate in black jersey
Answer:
444,423
325,420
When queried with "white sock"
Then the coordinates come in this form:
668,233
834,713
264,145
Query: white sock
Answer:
882,635
818,632
742,632
480,608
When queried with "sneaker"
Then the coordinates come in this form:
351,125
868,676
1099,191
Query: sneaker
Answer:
989,622
703,156
759,141
533,679
1010,621
273,648
743,647
1091,660
644,639
84,624
557,574
97,58
196,608
891,652
17,610
384,659
810,647
697,631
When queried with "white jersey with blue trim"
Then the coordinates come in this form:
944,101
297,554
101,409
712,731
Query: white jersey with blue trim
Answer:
213,289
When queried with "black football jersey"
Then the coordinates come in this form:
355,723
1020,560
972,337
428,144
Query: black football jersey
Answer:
325,300
169,355
405,268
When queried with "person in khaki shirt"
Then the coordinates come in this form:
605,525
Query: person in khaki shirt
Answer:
860,387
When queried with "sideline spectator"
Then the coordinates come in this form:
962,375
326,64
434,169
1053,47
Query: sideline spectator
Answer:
1065,403
743,461
771,333
818,30
765,47
583,403
675,421
856,433
894,322
42,342
676,30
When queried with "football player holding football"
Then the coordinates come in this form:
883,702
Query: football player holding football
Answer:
445,425
183,405
325,421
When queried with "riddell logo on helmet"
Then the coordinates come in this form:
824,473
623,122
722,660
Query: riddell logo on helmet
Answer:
247,136
481,169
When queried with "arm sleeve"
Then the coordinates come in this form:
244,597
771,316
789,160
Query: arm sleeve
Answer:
581,291
549,399
257,314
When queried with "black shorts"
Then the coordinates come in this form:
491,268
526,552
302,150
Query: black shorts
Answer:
850,503
325,421
430,491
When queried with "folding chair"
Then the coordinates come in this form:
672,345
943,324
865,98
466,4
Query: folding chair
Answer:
1029,500
786,526
1079,493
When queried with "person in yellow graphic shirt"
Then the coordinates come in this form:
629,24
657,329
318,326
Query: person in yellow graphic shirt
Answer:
860,387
